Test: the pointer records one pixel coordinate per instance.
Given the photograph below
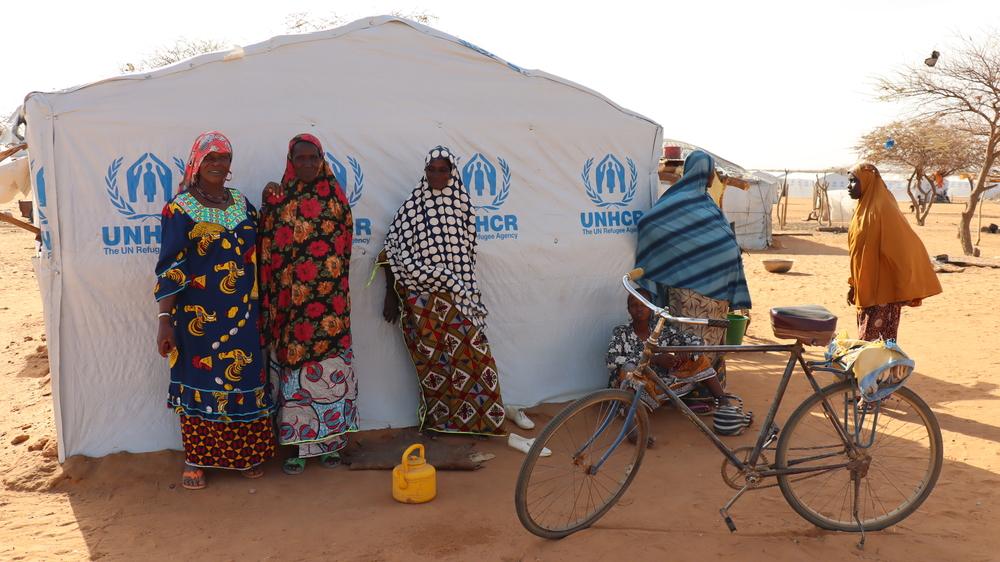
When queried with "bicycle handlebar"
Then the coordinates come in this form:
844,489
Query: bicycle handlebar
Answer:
637,273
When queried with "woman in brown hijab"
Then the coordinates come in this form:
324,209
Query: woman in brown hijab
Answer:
890,267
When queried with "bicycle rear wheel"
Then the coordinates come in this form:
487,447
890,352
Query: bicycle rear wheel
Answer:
896,472
571,489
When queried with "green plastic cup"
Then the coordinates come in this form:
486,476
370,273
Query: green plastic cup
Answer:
737,327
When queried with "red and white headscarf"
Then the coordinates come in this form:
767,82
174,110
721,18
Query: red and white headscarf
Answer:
205,144
289,174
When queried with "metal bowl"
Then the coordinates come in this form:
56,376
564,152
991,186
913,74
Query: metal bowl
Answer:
778,266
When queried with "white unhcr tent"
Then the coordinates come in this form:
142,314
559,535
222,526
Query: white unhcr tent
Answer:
750,210
559,172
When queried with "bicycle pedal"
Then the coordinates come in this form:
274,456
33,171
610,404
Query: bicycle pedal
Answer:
728,520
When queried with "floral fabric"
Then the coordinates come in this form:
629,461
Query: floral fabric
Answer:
305,247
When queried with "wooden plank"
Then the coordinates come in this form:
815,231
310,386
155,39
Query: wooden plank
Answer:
4,217
4,154
968,261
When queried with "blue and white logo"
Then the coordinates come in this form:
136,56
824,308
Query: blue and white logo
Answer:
611,188
149,184
43,220
480,178
138,193
484,52
489,188
362,225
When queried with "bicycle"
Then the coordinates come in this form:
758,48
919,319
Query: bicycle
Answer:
842,462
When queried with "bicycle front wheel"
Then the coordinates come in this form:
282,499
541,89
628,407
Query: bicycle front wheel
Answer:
592,462
898,463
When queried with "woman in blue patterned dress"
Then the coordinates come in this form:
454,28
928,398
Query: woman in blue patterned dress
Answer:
207,292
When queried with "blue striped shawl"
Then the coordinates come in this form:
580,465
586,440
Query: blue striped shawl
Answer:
685,241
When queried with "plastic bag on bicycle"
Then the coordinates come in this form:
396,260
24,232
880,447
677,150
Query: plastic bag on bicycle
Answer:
880,367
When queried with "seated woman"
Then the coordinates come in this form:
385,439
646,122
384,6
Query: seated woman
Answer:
682,372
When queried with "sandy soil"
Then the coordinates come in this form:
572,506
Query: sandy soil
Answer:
129,507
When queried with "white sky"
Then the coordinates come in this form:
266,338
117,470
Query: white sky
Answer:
786,84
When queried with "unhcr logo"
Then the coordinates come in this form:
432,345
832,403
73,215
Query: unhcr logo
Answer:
362,225
43,219
138,193
489,191
611,189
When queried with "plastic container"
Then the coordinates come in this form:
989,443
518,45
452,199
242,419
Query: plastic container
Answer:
737,328
414,480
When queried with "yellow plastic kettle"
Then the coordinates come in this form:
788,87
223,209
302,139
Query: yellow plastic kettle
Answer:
414,480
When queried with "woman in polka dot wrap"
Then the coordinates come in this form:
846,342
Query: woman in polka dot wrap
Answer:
430,249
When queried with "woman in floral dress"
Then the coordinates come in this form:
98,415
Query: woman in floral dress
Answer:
306,233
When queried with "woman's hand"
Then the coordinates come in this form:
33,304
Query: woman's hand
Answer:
390,308
915,302
165,342
666,360
850,295
273,191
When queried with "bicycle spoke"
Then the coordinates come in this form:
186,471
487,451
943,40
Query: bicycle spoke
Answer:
899,468
558,495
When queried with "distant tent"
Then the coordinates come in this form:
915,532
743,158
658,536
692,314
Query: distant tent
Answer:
746,197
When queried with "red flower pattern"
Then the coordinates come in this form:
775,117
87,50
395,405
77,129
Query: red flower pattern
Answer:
310,208
316,309
304,331
306,271
283,236
305,208
319,249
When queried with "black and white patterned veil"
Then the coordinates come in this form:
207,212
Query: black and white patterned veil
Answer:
431,243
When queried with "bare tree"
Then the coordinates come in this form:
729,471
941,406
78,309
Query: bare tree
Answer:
3,130
964,86
182,49
306,22
296,22
930,148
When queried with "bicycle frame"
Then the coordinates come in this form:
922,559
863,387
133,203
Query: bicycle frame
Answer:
645,372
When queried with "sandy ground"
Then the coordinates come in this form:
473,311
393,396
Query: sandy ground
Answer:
129,507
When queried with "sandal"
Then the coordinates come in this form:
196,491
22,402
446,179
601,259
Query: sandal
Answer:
701,407
193,479
252,473
293,466
329,460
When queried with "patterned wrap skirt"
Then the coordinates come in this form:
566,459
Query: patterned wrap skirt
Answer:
456,372
317,403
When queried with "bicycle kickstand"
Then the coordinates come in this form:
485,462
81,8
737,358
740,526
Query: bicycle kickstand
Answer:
724,512
861,543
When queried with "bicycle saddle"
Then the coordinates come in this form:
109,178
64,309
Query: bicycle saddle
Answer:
809,324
